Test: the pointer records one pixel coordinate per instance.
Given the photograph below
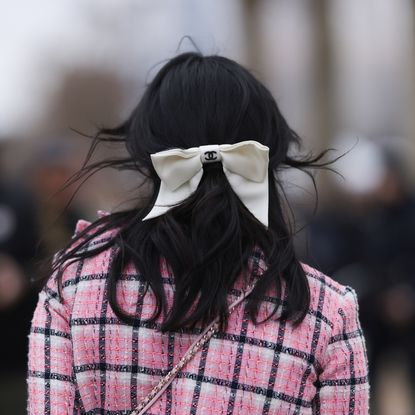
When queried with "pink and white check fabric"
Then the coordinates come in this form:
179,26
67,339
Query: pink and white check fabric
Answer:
83,360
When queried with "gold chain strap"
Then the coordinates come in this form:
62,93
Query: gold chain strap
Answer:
194,348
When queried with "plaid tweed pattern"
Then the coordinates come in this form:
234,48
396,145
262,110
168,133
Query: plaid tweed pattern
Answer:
83,360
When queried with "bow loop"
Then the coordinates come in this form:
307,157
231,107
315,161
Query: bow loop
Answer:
245,165
249,159
175,167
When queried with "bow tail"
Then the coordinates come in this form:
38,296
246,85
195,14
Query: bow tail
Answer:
167,199
254,195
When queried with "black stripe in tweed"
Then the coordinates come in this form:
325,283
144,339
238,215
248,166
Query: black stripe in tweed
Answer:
50,375
169,393
316,404
78,404
47,358
111,367
134,346
77,408
200,374
101,341
343,382
316,336
123,277
351,369
274,366
50,332
345,336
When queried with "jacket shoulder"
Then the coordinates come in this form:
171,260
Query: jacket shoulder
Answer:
318,279
85,231
328,296
86,228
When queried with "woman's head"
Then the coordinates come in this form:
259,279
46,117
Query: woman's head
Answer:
196,100
208,239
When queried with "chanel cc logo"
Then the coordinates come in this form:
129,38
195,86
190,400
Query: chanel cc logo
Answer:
210,155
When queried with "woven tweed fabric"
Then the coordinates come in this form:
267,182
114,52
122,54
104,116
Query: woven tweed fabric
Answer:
83,360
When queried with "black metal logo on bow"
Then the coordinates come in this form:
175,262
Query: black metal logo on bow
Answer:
211,155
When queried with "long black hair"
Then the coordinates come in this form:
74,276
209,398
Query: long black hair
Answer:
208,239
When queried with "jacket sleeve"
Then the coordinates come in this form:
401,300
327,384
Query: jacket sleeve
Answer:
50,383
343,385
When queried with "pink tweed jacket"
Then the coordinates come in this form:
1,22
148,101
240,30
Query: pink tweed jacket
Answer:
83,360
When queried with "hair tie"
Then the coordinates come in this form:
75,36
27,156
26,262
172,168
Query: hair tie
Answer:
245,165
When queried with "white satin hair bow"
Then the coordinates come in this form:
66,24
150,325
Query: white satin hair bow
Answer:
245,165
